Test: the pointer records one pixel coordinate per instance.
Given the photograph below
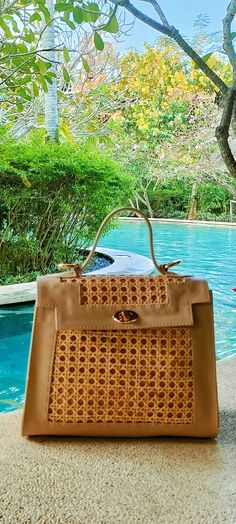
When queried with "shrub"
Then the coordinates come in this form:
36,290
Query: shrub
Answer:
53,199
165,202
171,199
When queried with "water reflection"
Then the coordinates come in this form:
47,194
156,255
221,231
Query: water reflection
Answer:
15,333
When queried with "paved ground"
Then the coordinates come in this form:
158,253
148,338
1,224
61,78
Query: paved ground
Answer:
100,481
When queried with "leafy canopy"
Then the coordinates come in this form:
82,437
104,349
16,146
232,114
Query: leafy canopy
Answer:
156,90
24,70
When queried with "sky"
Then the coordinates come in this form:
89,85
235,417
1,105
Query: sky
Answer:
180,13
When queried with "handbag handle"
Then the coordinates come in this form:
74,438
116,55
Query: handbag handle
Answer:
160,268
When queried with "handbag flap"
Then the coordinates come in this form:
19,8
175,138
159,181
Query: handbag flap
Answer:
94,302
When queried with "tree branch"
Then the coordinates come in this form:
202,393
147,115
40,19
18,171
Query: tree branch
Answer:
223,183
8,7
173,33
222,132
159,11
14,71
228,41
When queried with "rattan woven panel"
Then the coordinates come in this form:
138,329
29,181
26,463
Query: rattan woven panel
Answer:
123,290
123,376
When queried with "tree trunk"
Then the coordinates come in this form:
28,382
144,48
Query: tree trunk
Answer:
192,213
222,132
51,105
233,121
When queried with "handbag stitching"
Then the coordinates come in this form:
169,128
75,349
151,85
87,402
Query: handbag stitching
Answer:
50,367
213,366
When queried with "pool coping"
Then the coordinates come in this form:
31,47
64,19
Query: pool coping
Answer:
181,221
124,263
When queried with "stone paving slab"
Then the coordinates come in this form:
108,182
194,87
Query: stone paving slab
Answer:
48,480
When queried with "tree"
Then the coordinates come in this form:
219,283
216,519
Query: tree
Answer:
22,69
25,66
227,91
90,13
183,149
84,98
50,97
156,91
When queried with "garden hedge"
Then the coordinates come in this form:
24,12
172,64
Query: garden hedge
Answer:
52,201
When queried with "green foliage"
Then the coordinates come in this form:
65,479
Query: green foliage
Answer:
20,65
86,65
154,93
66,75
112,26
31,276
213,199
98,41
24,70
78,15
171,198
163,188
157,88
53,198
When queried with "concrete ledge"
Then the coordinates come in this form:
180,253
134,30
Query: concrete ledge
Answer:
182,221
127,481
124,263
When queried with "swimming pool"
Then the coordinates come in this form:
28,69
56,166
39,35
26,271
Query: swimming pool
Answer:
206,251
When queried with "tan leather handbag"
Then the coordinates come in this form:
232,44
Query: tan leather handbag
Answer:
122,356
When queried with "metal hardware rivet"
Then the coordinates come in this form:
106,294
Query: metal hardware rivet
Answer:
125,316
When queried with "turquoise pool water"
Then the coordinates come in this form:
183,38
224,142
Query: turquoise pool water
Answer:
206,251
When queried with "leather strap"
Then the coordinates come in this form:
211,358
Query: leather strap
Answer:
163,268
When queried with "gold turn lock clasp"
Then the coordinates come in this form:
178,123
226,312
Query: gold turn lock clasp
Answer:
125,316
